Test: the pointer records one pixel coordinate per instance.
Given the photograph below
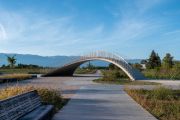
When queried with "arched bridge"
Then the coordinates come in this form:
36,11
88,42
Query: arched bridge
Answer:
68,69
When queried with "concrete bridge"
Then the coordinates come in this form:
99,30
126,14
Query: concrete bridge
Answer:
68,69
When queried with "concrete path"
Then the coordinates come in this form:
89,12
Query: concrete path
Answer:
102,102
92,101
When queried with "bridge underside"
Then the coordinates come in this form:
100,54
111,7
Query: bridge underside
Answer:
65,70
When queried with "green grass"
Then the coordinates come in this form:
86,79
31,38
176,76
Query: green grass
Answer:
173,74
162,102
85,71
124,82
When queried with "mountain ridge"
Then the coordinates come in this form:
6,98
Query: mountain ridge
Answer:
49,61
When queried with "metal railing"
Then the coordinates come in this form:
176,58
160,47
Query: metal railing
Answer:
108,56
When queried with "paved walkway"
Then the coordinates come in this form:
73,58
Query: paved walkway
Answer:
102,102
92,101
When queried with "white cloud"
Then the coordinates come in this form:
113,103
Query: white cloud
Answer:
3,35
45,34
33,33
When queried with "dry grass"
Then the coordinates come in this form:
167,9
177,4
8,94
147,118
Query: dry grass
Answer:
163,103
16,76
49,96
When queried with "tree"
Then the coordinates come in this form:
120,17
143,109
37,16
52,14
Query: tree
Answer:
168,61
11,61
158,62
111,66
153,61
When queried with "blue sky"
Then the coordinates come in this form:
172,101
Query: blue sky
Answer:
131,28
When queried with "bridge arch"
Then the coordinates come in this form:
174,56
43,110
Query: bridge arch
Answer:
68,69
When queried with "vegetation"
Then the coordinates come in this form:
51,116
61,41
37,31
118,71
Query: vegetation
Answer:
22,66
162,102
112,75
85,71
153,61
49,96
89,69
169,69
14,77
168,61
116,76
162,73
11,61
12,68
25,70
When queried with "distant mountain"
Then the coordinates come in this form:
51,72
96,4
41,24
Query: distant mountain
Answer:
46,61
134,60
49,61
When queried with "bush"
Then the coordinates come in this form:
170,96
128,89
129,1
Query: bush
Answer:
49,96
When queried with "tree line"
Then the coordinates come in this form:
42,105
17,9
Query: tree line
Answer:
155,61
12,60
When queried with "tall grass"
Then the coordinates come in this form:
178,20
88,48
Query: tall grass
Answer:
162,73
14,77
162,102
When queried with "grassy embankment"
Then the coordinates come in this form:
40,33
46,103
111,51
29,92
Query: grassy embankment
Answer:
49,96
120,78
162,102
